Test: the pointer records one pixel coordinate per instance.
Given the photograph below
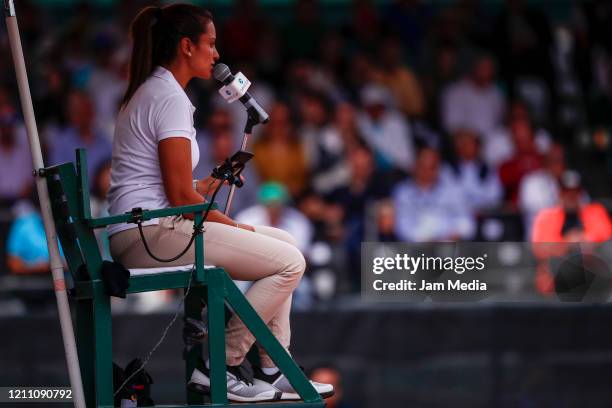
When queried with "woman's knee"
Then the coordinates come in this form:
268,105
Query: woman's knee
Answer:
288,238
294,268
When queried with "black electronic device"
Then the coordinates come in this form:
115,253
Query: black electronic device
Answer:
232,167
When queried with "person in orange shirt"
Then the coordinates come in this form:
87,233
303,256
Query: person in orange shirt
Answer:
572,223
279,154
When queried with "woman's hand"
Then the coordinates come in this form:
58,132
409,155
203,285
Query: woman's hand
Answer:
208,186
246,227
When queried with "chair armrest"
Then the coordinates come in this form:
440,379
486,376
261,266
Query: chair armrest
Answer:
149,214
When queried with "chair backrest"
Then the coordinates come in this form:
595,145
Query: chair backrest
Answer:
69,196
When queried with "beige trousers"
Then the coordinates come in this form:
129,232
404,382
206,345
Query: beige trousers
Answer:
268,256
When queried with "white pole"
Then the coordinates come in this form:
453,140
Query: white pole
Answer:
230,197
57,268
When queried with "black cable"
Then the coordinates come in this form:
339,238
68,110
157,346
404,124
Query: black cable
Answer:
197,229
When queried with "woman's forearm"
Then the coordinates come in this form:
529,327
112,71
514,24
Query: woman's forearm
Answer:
193,197
218,216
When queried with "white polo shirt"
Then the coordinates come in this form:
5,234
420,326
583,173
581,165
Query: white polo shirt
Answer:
159,109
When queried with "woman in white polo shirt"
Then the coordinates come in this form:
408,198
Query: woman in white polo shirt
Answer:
154,153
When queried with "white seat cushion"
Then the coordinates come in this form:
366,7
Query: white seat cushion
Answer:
152,271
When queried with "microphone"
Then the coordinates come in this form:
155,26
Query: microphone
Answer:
223,74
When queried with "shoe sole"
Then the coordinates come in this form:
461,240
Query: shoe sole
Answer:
295,397
205,390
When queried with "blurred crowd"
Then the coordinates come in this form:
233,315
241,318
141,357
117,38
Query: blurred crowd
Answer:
406,120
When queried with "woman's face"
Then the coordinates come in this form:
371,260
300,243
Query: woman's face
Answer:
204,54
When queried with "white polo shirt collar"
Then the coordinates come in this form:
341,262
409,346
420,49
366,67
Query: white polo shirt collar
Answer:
166,75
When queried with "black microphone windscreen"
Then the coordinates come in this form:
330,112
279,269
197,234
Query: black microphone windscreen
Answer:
222,73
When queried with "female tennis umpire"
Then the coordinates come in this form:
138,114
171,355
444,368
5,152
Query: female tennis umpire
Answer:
154,153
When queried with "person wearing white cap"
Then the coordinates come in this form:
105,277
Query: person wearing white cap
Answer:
385,129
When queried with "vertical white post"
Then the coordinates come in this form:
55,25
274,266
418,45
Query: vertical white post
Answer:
230,197
57,268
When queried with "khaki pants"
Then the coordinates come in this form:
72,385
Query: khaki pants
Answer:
268,257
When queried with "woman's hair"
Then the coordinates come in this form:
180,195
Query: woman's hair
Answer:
156,33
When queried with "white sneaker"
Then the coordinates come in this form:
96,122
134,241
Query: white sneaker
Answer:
240,388
280,382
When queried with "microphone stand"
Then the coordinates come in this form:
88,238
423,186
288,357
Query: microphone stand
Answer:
253,119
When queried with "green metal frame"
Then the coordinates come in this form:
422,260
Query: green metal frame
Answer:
69,193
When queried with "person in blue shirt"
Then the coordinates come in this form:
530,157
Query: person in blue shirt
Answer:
27,252
429,207
80,132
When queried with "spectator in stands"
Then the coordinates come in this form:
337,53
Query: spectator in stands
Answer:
27,257
566,227
105,81
313,112
540,189
479,181
441,69
364,188
385,222
16,179
525,160
572,220
345,125
325,217
279,154
474,102
324,143
99,189
80,132
385,130
402,82
27,252
498,146
429,207
361,70
341,136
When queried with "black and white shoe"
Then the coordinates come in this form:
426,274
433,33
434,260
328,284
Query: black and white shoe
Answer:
241,387
280,382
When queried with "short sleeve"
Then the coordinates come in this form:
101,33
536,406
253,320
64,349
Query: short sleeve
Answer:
174,118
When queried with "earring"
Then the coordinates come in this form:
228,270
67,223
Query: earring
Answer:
189,54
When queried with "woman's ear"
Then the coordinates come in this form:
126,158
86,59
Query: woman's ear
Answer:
186,46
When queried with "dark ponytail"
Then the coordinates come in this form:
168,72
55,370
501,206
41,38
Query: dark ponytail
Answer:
156,33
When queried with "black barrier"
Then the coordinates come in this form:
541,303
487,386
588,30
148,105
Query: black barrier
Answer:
425,356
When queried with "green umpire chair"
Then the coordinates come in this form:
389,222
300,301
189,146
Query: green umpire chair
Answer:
69,192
